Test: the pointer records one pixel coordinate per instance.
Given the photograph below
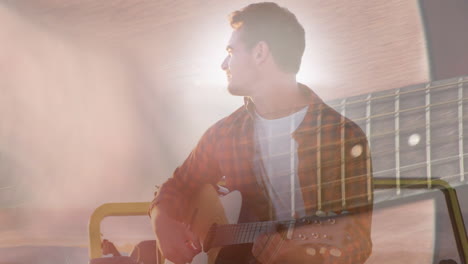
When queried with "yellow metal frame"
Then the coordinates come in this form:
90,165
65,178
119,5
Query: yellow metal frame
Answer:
110,209
451,200
134,209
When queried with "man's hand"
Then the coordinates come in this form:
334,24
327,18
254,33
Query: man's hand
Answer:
109,248
175,240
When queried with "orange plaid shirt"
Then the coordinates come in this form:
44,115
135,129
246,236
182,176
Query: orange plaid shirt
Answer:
329,146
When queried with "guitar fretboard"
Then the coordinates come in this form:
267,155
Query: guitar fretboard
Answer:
417,131
238,233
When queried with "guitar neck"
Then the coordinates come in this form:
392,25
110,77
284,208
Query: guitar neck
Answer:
233,234
417,131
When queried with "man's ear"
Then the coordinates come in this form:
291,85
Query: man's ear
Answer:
261,52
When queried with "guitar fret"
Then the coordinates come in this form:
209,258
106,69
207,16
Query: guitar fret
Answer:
290,231
428,136
368,158
319,159
248,233
433,87
253,232
254,235
397,140
292,176
376,116
243,233
460,129
236,234
260,228
343,156
383,173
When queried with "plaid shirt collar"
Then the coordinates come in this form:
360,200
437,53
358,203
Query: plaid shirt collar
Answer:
310,118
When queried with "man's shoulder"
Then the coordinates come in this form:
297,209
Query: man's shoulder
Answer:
228,124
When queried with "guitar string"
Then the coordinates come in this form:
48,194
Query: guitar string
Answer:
261,227
391,140
349,102
390,114
425,87
390,133
247,232
329,165
365,176
464,99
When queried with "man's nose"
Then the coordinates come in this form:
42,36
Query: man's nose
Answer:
224,65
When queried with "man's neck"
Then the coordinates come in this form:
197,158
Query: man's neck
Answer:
279,100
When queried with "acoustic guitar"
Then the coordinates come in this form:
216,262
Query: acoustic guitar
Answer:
213,218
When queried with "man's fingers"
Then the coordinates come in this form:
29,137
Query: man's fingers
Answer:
259,245
187,250
181,256
267,248
193,241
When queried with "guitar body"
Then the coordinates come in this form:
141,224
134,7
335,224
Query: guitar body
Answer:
214,220
206,209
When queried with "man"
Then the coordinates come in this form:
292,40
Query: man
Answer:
288,153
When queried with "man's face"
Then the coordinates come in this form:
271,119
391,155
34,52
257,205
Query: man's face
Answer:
239,66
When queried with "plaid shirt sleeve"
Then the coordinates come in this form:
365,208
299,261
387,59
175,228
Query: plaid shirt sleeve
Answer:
200,167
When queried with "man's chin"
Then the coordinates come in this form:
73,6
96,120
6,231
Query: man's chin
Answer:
234,90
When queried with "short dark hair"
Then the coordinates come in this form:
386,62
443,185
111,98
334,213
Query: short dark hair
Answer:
275,25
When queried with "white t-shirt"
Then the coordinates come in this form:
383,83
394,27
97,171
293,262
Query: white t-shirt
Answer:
277,151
